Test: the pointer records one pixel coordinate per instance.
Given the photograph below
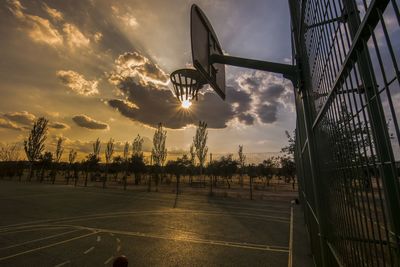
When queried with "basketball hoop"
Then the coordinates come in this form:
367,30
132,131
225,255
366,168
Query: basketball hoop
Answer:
186,83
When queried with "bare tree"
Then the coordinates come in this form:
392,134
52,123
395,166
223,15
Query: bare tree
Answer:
137,146
10,152
159,152
200,143
96,148
34,146
108,153
192,163
242,163
59,150
126,152
72,156
192,154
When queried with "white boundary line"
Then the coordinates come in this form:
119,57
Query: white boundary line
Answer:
47,246
63,263
88,250
108,260
40,239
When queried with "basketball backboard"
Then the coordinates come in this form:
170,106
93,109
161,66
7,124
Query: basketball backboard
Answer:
204,44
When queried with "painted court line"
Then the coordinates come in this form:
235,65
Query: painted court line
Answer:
44,247
88,250
200,241
39,239
62,264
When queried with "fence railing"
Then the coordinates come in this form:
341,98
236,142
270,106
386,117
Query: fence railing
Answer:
348,135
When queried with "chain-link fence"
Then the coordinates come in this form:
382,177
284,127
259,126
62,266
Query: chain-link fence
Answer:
348,135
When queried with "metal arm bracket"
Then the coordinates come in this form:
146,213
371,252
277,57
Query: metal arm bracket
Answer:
288,71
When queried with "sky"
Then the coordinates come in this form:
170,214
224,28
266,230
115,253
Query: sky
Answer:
100,69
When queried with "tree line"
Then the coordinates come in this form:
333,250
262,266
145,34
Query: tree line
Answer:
43,164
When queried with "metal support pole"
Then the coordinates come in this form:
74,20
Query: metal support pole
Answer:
306,106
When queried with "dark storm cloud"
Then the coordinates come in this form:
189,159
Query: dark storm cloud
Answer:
58,125
151,105
269,92
240,98
267,112
272,93
150,102
87,122
23,117
247,119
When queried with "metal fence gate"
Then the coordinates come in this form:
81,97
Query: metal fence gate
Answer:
347,134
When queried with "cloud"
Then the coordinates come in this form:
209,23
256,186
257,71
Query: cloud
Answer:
77,83
269,94
55,34
97,37
126,18
6,124
58,125
247,119
137,68
74,37
87,122
24,117
267,112
252,97
53,13
39,29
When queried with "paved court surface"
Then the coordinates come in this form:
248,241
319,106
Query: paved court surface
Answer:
47,225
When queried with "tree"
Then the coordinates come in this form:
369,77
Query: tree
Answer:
159,152
34,145
10,152
108,154
192,163
137,166
200,144
268,168
178,167
137,146
252,172
92,159
125,163
126,152
227,167
57,158
71,159
290,148
288,166
242,163
46,159
59,150
96,148
288,169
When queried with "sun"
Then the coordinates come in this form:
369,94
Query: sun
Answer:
186,104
